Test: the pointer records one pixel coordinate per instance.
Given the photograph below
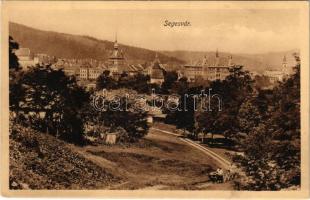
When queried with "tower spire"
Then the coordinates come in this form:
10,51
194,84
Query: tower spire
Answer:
156,58
115,43
217,58
284,66
230,60
284,59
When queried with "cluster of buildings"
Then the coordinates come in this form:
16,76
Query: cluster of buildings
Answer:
117,65
218,68
88,70
27,59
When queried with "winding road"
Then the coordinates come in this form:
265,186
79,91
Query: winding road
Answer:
223,162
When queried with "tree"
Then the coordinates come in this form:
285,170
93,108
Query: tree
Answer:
181,86
138,82
13,60
126,116
248,116
184,115
262,81
105,81
16,91
50,91
169,79
233,91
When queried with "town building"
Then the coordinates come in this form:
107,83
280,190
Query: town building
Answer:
275,76
25,59
220,69
88,72
84,73
193,72
135,69
157,71
43,59
95,72
71,67
71,71
116,60
217,68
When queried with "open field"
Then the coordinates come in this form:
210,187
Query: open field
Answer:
159,161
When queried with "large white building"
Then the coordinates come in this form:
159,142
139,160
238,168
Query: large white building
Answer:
209,69
25,59
277,75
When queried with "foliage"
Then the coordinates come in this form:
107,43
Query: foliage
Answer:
248,116
105,81
126,116
170,77
262,81
272,149
138,82
183,117
231,92
13,60
54,98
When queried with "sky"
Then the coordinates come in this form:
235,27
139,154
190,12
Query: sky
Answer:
236,31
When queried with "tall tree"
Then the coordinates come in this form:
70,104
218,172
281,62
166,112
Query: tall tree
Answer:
105,81
248,116
169,79
13,60
58,96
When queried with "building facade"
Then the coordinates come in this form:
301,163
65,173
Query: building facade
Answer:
217,68
220,69
116,60
25,59
275,76
157,71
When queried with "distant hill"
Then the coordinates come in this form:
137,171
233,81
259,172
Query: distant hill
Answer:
76,46
252,62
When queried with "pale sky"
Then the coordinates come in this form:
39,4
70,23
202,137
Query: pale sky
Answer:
235,31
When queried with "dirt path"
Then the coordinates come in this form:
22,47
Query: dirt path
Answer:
220,159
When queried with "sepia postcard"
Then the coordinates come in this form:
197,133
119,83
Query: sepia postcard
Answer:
155,99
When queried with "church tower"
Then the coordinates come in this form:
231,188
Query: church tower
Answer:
116,59
204,61
230,61
217,58
285,69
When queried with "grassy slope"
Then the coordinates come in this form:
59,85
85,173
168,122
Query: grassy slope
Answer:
40,161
